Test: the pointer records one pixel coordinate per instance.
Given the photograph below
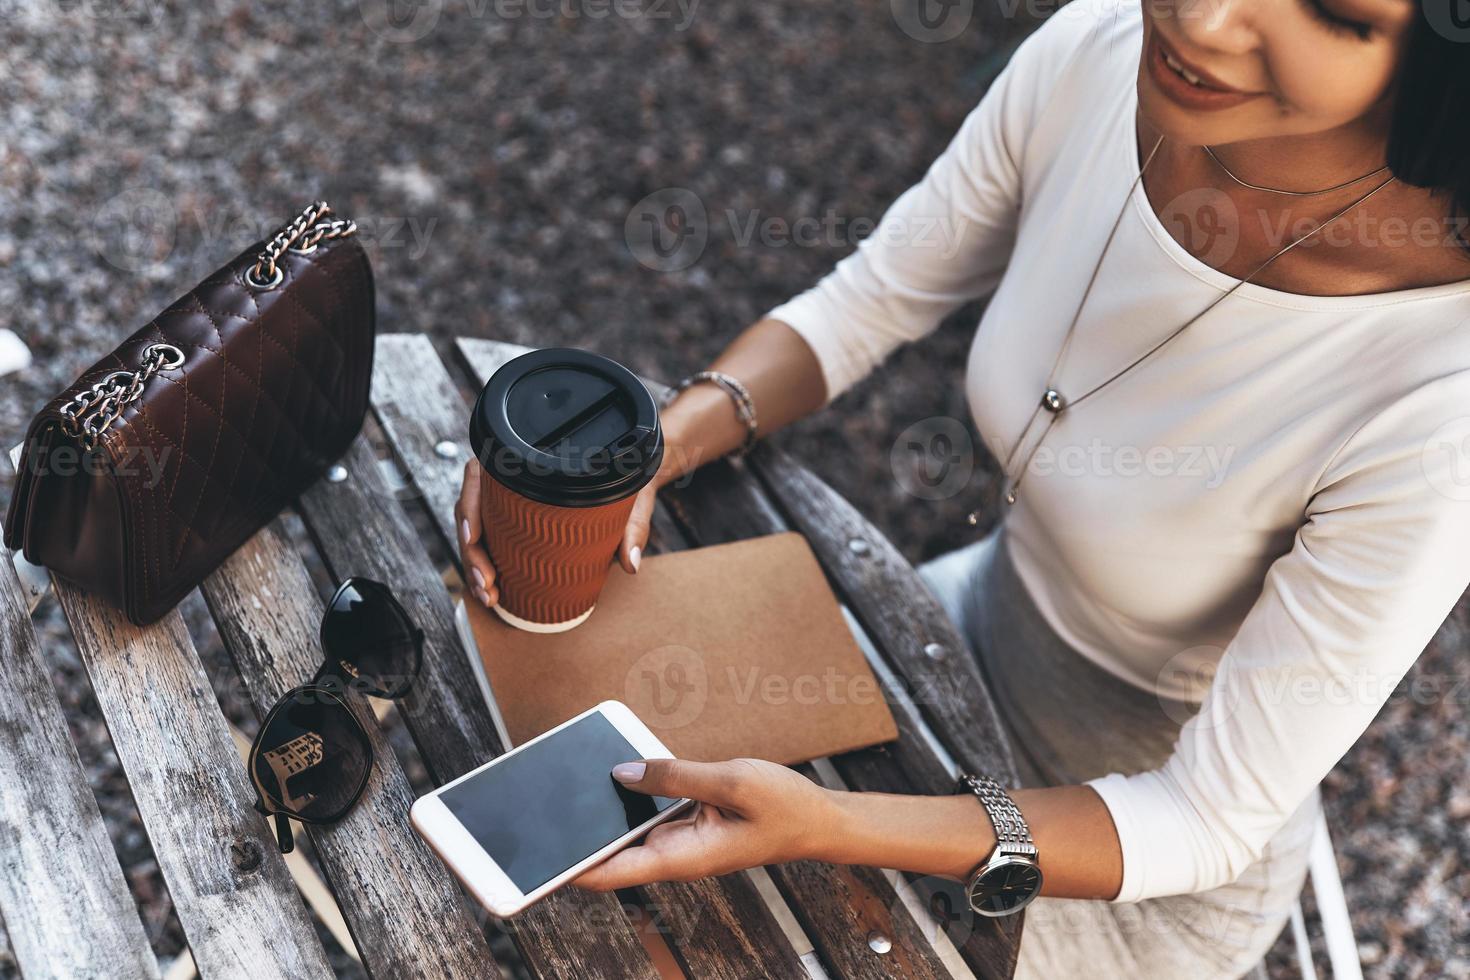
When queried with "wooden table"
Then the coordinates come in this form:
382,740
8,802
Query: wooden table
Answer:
67,908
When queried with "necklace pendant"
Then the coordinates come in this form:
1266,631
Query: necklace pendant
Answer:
1053,401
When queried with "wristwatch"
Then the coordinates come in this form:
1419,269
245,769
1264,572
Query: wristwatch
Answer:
1010,878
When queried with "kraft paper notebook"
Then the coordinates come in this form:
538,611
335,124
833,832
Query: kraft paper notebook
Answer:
734,650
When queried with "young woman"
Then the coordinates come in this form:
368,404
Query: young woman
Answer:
1237,511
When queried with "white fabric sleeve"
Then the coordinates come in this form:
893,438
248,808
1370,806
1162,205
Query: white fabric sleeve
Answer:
1380,561
946,240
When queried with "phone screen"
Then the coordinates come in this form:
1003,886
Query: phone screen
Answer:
545,808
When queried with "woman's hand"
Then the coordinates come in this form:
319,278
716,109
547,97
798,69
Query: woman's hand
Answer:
478,569
750,813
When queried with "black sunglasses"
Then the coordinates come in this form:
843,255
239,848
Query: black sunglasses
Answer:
312,757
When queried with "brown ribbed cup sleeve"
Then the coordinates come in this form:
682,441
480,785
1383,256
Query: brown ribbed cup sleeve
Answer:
550,562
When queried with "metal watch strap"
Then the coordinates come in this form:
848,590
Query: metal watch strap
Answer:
1011,832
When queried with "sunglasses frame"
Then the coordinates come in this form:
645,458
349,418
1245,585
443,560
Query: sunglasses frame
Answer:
418,635
265,802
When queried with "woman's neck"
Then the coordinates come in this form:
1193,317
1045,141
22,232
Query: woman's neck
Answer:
1399,239
1310,161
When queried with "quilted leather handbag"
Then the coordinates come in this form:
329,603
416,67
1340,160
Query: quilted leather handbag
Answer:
172,451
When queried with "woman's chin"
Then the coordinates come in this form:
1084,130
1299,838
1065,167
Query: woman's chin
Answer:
1183,127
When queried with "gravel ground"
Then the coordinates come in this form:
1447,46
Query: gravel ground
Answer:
500,156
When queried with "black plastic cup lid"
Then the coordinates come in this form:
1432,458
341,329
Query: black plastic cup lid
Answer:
567,427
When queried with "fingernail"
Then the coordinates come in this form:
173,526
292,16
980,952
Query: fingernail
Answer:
464,531
628,772
478,576
483,596
635,557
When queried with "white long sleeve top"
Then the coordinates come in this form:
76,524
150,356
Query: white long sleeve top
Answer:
1270,515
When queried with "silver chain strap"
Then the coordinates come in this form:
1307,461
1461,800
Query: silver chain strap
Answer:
302,235
1010,827
92,411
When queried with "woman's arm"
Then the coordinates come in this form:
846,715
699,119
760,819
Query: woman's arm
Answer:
950,835
754,813
785,383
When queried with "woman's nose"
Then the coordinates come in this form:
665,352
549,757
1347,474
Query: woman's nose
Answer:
1229,27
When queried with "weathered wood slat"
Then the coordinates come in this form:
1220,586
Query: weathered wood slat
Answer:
717,506
405,911
870,909
360,528
230,888
838,907
63,898
234,897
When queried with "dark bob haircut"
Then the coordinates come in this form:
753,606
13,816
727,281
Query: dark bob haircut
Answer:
1429,137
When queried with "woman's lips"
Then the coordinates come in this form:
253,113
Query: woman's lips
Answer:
1186,86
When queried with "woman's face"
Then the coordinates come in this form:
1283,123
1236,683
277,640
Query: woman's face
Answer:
1268,68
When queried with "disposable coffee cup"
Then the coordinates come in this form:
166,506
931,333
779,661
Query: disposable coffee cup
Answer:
566,438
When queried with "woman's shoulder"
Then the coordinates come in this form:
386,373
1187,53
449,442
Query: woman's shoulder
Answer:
1085,37
1063,93
1066,76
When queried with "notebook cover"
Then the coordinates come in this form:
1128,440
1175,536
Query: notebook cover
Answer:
733,650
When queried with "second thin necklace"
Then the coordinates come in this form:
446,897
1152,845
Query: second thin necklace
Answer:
1054,403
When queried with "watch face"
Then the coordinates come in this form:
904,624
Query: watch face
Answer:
1005,888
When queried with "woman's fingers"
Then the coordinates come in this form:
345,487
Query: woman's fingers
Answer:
635,536
674,851
719,783
479,573
631,866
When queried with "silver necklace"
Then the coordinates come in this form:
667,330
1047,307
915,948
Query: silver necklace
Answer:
1277,190
1055,403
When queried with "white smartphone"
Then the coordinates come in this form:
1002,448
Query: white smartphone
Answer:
516,829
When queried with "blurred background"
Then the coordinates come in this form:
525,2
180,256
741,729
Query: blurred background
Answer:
639,177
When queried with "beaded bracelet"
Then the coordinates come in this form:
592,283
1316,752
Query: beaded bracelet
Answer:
739,394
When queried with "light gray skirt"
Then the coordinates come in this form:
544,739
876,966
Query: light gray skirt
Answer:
1070,721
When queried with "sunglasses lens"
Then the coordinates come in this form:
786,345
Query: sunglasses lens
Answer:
312,757
369,637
